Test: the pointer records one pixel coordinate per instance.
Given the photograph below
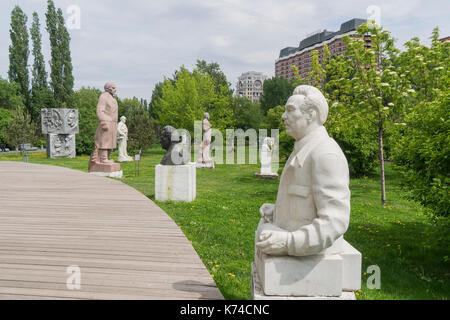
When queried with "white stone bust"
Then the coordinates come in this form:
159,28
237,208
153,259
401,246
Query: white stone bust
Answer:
312,209
122,137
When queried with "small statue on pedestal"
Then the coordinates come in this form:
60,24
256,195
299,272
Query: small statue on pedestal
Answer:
122,137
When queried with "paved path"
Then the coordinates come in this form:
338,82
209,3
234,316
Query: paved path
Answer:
125,246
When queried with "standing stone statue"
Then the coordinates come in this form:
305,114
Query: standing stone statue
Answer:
204,157
299,246
122,137
266,159
106,134
60,126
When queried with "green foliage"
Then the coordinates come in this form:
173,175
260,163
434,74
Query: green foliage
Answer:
41,95
141,128
61,78
18,52
5,118
85,100
185,100
276,91
422,153
213,69
21,129
247,114
10,97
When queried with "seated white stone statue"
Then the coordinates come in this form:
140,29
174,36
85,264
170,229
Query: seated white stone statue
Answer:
122,137
299,245
312,209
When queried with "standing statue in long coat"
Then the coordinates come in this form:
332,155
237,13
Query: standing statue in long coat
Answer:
106,134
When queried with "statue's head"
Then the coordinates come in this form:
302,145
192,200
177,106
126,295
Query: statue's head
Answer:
165,137
206,115
305,110
268,141
111,88
123,119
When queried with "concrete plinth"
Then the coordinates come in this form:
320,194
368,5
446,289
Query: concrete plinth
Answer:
309,276
115,174
266,175
103,167
209,164
176,183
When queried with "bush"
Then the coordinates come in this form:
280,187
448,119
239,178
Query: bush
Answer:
5,118
422,154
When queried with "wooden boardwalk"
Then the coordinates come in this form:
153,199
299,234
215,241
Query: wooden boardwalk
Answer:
125,246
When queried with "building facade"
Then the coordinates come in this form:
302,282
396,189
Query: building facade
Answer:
250,85
301,56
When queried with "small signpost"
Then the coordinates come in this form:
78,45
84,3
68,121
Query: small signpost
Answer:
137,159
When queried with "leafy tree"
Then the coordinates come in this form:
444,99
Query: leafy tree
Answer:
421,150
213,69
247,114
141,128
61,78
156,94
5,118
41,96
376,89
10,97
64,44
85,100
56,63
21,129
276,91
185,100
422,153
18,52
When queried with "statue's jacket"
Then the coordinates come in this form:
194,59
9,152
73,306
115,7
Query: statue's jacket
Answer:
313,200
107,114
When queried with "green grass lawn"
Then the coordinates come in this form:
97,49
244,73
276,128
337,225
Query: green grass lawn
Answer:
411,251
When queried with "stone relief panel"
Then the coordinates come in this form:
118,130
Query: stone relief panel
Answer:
59,121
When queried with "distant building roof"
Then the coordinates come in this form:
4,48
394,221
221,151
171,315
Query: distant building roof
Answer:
323,36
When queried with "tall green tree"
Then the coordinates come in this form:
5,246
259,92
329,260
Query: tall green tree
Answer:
40,92
19,52
276,91
61,77
67,69
10,96
377,88
213,69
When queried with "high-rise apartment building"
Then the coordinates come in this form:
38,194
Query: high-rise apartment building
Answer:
301,56
250,85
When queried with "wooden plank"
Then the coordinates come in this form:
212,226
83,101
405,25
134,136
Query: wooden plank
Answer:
125,245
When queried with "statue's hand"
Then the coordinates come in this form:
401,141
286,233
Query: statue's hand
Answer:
273,241
267,210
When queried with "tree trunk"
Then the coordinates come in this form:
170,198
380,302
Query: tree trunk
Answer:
380,144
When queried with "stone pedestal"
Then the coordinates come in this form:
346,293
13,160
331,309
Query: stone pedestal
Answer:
328,275
177,182
208,164
60,146
266,175
105,170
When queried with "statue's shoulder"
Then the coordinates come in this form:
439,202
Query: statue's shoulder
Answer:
327,146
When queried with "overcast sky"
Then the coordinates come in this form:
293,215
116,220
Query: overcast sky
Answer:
136,43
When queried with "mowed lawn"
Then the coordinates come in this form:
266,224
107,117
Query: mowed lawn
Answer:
410,250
